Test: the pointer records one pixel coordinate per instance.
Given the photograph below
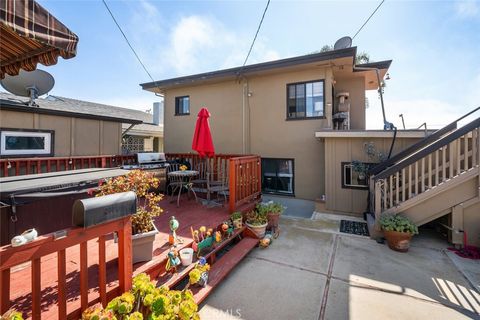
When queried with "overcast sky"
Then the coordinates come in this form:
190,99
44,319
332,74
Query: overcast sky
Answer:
434,45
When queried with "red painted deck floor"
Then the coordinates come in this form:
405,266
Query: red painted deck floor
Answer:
188,214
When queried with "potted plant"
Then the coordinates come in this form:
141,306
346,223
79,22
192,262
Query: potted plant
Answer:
257,222
237,219
143,228
146,301
361,168
398,231
272,210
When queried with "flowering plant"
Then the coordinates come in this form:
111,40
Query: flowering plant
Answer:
183,167
140,182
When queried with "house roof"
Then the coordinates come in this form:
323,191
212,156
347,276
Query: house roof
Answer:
159,86
253,68
75,108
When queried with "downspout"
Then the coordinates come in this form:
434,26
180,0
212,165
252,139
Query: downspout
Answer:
243,117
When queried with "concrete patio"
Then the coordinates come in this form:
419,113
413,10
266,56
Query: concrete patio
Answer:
314,272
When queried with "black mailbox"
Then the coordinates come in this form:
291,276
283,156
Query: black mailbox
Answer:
92,211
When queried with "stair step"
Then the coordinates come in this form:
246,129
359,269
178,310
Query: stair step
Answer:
222,268
171,281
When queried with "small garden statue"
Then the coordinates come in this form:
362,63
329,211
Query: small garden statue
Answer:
173,239
173,261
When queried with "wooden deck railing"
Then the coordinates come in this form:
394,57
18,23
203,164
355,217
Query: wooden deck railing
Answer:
243,171
442,160
245,181
45,245
21,166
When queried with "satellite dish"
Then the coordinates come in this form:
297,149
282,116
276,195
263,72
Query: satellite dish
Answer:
29,84
343,43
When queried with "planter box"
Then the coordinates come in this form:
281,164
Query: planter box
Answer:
142,246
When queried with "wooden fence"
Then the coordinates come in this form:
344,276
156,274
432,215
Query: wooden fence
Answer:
245,182
48,244
22,166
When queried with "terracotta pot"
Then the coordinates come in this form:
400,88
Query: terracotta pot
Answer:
273,219
398,241
258,230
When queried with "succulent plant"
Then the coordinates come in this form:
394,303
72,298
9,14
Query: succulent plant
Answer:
271,207
11,315
236,215
256,218
146,301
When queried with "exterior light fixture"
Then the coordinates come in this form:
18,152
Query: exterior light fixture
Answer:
387,76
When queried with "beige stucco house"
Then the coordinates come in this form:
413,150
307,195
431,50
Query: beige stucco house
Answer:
305,116
273,109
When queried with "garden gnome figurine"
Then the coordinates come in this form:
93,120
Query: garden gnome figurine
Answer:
172,239
173,261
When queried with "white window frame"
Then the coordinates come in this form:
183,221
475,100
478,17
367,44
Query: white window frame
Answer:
46,151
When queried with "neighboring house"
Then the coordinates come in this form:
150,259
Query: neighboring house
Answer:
72,127
289,111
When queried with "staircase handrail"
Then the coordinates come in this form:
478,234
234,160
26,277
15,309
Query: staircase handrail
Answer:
429,149
419,145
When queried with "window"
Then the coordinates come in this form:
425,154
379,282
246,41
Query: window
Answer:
305,100
277,176
352,179
182,105
17,142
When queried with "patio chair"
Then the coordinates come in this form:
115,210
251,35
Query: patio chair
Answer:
174,182
217,183
200,181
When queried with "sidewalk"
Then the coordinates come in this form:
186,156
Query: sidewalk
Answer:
313,272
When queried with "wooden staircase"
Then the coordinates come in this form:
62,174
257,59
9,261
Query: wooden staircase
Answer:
431,178
222,259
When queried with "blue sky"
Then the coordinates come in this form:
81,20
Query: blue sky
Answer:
435,47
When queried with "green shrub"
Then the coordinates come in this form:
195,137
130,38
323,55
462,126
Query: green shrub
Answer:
398,223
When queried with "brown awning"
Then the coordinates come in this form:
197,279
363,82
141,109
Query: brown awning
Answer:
29,34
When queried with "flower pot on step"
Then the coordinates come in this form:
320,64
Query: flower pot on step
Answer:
142,245
237,223
258,230
398,241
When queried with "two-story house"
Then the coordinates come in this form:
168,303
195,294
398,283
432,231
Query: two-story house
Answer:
305,116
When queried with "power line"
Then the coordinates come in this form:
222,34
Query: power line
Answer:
128,42
363,25
256,34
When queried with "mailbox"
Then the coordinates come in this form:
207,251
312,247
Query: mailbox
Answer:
93,211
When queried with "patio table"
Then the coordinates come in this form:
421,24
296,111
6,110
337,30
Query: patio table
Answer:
185,177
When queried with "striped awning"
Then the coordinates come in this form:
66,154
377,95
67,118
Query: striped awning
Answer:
29,34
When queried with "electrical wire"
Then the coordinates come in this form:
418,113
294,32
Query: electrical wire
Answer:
256,34
128,42
366,21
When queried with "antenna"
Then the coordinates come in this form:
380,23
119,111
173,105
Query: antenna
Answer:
343,43
30,84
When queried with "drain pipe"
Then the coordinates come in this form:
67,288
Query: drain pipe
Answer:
386,125
243,117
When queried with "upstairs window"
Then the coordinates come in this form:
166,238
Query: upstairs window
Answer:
15,142
182,106
305,100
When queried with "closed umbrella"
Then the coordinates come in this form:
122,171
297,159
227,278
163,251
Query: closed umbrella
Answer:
202,138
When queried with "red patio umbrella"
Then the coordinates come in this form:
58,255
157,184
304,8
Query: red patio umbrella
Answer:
202,137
